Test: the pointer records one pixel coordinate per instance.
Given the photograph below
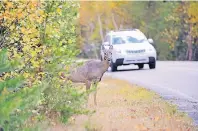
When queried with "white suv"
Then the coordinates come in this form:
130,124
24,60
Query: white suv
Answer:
129,47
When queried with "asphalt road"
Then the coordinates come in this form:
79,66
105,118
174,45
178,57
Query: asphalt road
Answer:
176,82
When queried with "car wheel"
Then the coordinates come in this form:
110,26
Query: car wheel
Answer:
141,66
152,65
113,67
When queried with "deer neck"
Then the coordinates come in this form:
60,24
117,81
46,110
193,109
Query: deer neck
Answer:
106,65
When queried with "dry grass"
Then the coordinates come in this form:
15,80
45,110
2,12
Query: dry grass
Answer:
125,107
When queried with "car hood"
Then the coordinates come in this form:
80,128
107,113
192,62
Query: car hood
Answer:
133,46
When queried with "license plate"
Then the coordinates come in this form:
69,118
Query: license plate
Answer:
141,60
138,60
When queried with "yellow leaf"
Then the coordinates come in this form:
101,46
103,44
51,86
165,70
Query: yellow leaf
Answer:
16,38
16,55
19,15
41,73
1,16
35,64
9,5
30,31
12,41
40,20
35,3
41,12
58,10
20,10
23,30
66,68
12,27
33,53
26,48
26,75
26,39
69,41
34,39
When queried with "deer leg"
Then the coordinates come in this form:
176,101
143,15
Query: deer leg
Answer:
95,92
88,85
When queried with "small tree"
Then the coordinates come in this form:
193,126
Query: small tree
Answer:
9,101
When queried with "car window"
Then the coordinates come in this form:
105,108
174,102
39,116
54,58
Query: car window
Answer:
118,40
131,39
127,39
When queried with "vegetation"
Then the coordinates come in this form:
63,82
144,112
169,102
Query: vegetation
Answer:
172,25
38,41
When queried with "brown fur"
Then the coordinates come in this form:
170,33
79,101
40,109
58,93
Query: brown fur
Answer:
91,72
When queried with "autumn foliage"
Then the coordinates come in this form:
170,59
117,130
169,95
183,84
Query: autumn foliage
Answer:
39,39
172,25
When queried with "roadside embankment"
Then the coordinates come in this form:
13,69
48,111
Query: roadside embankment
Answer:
122,106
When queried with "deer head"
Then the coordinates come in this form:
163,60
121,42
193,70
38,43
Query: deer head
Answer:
108,53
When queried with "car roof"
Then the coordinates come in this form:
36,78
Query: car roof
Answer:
123,31
127,32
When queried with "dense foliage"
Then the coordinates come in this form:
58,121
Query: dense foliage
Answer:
39,40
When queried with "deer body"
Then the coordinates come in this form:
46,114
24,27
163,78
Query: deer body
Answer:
90,73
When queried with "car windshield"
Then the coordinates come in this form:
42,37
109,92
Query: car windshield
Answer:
127,39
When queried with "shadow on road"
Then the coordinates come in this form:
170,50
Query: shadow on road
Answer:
122,70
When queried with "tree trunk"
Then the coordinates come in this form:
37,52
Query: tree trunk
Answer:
91,26
106,26
187,54
114,22
121,24
194,53
189,42
95,51
100,25
190,52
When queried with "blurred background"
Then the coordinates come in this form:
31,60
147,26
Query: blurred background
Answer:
172,25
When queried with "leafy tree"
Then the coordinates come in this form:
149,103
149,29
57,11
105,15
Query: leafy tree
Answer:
96,18
14,97
182,33
41,37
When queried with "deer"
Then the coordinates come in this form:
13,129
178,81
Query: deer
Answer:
91,72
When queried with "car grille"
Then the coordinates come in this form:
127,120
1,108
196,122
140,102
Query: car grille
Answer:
135,51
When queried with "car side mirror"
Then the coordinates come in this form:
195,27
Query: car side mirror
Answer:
150,41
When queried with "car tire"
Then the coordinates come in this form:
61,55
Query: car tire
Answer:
113,67
140,66
152,65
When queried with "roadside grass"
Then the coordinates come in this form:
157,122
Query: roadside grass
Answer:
122,106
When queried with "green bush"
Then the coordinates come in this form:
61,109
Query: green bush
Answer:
40,49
